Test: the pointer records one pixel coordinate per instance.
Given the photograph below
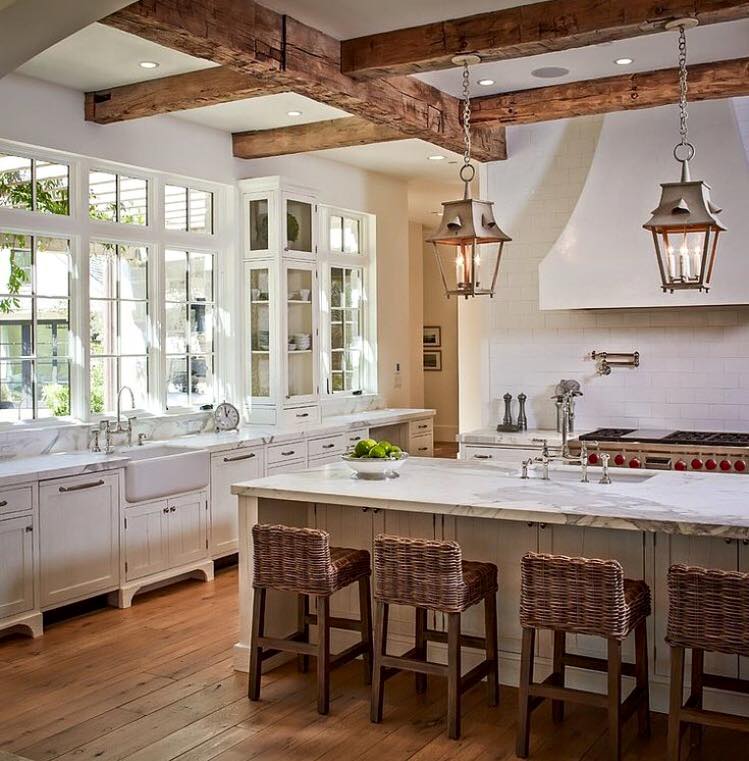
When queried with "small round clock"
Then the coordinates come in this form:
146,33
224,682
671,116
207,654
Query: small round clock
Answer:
226,417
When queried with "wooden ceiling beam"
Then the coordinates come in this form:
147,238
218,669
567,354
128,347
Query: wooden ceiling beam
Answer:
284,53
176,93
316,136
521,31
707,81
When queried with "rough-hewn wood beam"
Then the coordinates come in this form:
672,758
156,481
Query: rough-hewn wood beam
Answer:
248,38
176,93
317,136
707,81
523,31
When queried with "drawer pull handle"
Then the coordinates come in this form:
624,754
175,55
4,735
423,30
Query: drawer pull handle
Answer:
4,503
423,426
483,456
423,449
355,438
288,454
81,487
241,457
328,446
302,414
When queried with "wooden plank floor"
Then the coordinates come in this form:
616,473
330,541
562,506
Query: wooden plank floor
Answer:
155,683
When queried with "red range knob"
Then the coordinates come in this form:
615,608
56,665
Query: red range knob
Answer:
680,465
593,458
725,465
634,463
696,464
739,465
711,464
619,459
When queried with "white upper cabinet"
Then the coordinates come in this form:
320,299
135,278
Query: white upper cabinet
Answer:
299,225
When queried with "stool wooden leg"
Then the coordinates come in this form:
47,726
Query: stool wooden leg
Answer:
527,652
365,616
421,647
303,629
323,655
676,702
380,649
641,665
256,651
698,670
453,676
560,643
492,648
615,698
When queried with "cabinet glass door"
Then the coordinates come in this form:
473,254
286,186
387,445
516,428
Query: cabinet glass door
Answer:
299,233
346,328
259,294
261,221
300,333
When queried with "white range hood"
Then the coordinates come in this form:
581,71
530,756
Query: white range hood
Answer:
604,258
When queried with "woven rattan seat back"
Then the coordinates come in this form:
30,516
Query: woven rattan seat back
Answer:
580,595
708,609
293,559
421,572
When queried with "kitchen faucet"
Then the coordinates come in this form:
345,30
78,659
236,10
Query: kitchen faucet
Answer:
565,456
106,429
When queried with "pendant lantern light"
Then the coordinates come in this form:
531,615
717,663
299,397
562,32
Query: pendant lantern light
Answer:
468,243
685,226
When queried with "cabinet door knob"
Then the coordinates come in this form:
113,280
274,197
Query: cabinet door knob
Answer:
29,529
172,509
4,503
165,510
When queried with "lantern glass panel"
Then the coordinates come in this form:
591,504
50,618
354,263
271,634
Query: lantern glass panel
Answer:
467,267
684,252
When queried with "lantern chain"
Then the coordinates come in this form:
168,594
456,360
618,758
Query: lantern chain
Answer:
466,115
683,85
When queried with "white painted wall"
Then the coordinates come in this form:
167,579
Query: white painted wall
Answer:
416,310
694,369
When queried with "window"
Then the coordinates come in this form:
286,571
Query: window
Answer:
34,185
190,309
188,209
34,327
117,198
346,328
345,233
119,323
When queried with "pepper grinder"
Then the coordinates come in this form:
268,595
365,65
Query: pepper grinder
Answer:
522,419
507,419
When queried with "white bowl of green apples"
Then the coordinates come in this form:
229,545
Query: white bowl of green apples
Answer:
375,460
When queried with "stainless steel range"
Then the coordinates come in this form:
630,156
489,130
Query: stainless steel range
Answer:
668,449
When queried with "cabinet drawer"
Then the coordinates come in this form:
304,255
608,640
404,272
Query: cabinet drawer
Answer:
286,467
420,427
299,415
354,437
506,455
293,450
16,500
329,445
421,446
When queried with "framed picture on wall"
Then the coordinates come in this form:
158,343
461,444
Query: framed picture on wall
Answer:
432,360
432,336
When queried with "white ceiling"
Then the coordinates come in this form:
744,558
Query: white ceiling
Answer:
658,51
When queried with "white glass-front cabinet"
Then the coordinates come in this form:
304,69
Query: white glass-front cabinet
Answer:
309,318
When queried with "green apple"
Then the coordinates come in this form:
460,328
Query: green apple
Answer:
378,452
362,447
395,452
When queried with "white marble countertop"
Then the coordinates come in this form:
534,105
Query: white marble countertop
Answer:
667,501
25,469
42,467
492,436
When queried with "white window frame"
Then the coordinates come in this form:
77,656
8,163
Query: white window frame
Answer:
80,230
365,260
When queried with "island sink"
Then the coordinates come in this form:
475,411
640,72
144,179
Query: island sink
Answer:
159,471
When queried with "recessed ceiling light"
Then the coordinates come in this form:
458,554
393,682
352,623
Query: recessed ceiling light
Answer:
436,157
550,72
486,82
624,61
148,65
293,113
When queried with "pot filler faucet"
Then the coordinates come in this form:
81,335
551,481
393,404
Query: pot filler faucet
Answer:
582,459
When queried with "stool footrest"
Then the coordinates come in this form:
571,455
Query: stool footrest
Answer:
466,640
274,645
730,684
349,624
548,689
408,663
357,649
713,719
572,660
475,675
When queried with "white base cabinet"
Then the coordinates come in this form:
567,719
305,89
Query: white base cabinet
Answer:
228,468
79,537
16,565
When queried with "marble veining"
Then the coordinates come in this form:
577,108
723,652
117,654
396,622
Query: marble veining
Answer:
56,465
664,501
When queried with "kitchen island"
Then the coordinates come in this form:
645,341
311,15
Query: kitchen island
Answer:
645,519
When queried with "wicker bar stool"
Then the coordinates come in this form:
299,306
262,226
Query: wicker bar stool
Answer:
431,575
301,561
708,611
583,596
